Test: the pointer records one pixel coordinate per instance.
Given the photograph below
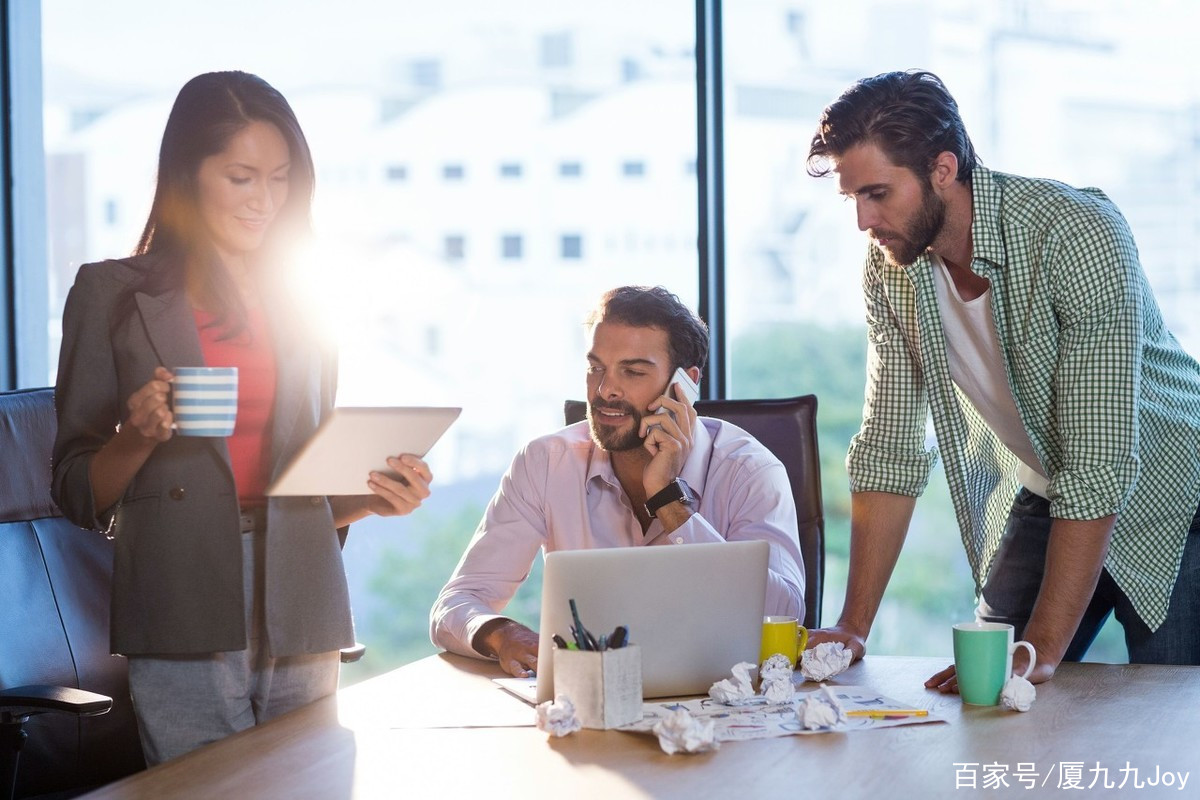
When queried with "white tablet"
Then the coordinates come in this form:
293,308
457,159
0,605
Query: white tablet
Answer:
353,442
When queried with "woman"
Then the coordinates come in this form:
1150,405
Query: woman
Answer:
230,607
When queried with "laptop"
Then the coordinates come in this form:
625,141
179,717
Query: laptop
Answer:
694,609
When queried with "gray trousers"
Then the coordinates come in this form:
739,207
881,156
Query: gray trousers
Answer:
184,702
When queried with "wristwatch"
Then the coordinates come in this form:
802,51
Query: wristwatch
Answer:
675,492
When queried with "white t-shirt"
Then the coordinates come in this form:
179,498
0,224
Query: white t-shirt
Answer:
977,368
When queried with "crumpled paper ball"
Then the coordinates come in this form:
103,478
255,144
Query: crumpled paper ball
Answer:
776,684
1018,694
824,661
736,690
557,717
820,709
680,732
774,666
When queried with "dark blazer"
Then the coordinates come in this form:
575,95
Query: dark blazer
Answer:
177,582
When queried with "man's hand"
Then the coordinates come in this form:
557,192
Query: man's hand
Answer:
946,681
512,644
668,439
853,642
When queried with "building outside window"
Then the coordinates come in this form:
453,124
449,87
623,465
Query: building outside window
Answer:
570,246
511,245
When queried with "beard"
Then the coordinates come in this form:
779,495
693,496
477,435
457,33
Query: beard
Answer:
609,438
903,251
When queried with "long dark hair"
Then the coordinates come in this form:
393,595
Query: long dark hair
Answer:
209,111
909,115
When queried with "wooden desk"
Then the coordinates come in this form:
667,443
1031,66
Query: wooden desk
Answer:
1112,715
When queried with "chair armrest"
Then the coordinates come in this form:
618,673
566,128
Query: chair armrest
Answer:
24,701
352,654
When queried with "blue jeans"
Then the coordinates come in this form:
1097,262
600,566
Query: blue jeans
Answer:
1016,576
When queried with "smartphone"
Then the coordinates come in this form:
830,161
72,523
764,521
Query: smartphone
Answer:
690,390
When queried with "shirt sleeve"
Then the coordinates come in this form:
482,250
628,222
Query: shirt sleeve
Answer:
85,399
888,454
1097,285
497,560
760,507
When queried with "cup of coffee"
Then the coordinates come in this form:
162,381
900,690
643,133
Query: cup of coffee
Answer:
782,635
983,654
204,400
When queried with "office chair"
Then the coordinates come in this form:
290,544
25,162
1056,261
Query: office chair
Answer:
788,428
54,605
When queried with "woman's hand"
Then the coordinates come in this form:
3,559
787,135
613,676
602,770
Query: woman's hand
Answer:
149,409
395,497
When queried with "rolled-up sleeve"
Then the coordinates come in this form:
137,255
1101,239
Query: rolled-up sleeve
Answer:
1097,377
497,560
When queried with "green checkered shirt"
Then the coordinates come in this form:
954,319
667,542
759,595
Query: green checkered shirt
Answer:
1110,401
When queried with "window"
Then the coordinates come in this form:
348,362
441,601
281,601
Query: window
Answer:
510,246
633,169
795,319
570,246
454,247
416,303
556,49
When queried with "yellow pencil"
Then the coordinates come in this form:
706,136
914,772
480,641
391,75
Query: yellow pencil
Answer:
885,713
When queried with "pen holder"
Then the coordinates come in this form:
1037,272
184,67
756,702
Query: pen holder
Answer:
605,686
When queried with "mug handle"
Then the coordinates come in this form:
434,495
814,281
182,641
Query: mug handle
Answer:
802,633
1032,656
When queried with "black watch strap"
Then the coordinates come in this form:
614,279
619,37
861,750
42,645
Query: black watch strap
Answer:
675,492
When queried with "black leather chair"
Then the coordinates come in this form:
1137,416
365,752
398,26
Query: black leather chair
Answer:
788,428
54,604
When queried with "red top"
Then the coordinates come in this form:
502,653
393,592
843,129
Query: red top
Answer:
252,354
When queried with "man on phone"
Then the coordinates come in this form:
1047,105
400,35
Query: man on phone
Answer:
643,469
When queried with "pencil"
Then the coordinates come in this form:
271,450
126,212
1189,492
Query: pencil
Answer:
885,713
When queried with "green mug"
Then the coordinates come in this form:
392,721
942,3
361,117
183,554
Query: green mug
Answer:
983,654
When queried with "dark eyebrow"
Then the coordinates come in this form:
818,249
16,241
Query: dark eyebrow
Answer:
252,168
626,362
870,187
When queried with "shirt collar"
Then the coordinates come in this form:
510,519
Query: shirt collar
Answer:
694,472
987,193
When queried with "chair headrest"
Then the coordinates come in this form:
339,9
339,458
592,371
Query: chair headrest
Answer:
27,428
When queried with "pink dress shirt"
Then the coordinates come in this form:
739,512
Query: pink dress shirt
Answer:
561,494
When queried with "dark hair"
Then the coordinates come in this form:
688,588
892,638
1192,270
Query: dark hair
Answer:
656,307
909,115
209,111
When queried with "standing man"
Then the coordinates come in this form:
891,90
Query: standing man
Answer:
1017,312
625,477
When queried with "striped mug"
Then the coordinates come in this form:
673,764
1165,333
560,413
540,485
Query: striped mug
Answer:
204,400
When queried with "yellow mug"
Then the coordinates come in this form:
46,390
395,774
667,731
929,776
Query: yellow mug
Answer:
784,635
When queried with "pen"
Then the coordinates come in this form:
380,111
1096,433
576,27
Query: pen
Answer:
618,637
884,713
585,640
560,642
